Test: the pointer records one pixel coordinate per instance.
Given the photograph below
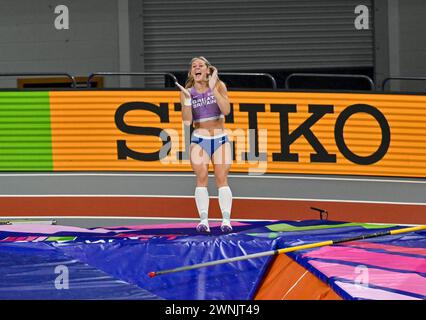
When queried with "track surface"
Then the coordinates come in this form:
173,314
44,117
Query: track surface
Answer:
116,198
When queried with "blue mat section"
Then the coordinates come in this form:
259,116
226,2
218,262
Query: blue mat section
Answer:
40,271
132,261
125,256
114,262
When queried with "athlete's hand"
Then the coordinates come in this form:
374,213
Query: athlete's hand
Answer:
186,94
213,78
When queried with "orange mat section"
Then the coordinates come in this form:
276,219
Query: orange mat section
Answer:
287,280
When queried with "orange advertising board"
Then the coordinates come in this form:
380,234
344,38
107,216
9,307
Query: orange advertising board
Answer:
272,132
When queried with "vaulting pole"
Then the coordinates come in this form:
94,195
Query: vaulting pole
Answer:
285,250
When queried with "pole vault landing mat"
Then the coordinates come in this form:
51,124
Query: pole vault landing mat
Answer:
60,262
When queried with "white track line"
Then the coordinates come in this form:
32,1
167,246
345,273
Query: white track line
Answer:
191,197
385,180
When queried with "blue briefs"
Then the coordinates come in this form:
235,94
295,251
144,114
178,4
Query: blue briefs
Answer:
210,144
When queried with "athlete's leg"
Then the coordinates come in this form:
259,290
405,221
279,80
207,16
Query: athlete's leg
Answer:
222,159
200,163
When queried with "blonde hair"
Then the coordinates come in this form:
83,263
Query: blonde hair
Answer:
190,81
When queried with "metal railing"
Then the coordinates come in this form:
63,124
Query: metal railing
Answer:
252,74
37,74
165,74
401,78
330,75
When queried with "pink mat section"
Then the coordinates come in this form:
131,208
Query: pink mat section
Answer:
364,292
47,229
385,260
390,248
174,225
24,239
408,282
52,229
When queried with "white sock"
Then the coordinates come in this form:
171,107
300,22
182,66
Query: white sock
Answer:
202,201
225,202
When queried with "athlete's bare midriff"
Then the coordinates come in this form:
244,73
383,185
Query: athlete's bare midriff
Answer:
211,127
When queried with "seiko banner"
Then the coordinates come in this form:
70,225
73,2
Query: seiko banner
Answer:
270,132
